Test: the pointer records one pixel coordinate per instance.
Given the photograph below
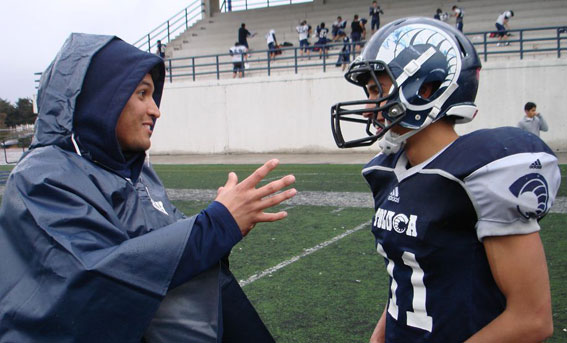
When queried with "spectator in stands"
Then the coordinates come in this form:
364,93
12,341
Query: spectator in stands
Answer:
356,33
321,44
532,121
338,26
344,56
272,43
160,49
459,14
238,53
439,15
363,22
91,248
243,35
303,31
374,13
503,27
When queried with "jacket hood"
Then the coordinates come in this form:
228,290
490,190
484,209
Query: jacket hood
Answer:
82,94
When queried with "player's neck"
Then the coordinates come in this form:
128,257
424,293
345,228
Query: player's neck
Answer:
429,141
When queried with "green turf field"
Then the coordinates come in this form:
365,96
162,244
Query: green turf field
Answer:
337,293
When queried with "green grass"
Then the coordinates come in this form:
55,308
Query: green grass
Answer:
309,177
555,243
7,167
563,188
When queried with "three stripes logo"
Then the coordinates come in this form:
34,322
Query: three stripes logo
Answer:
536,164
394,195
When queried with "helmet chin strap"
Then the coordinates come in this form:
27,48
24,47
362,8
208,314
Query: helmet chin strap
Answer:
391,143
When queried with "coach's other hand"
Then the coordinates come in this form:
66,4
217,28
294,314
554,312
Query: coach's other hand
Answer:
247,203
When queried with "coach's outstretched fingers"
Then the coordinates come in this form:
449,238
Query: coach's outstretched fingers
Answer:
246,203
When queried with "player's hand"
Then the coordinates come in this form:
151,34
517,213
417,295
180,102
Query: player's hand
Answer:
247,203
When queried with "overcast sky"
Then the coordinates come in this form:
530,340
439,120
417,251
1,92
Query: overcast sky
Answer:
32,31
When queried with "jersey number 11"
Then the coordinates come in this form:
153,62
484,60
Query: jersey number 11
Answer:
417,318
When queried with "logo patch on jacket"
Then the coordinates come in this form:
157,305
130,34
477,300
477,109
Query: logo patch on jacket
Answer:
158,205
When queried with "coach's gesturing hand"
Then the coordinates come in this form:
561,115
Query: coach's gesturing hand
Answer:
247,203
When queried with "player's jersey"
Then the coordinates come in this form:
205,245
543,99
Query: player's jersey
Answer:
503,16
303,31
430,221
236,52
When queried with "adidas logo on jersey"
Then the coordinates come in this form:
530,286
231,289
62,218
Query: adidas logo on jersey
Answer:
536,164
399,222
394,195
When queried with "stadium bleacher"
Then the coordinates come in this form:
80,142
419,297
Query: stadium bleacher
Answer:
216,34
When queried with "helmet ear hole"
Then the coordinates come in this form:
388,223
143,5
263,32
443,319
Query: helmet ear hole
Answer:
428,89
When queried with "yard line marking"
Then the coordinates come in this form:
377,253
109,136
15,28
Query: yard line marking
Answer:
287,208
306,252
337,210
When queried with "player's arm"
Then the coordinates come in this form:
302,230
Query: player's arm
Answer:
519,268
379,334
542,123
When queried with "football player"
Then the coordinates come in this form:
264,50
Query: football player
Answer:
456,216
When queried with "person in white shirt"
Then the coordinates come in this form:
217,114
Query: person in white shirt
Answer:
303,31
502,26
238,53
272,43
459,14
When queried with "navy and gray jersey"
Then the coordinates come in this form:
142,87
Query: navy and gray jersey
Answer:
431,219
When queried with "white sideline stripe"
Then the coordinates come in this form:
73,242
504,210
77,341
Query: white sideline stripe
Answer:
303,254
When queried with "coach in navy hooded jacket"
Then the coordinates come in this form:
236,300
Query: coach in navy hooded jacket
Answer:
91,249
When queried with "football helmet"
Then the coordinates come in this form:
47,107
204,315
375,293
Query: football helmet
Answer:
410,52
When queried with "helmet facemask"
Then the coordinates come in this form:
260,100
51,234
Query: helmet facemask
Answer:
359,73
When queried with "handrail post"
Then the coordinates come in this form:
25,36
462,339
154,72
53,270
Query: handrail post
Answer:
268,3
295,58
485,44
324,58
242,65
168,38
186,20
558,43
170,71
521,44
193,66
268,53
149,44
218,73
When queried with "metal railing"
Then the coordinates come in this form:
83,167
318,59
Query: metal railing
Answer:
244,5
522,42
219,64
178,23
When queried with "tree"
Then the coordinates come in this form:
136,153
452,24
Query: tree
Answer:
24,109
6,109
22,113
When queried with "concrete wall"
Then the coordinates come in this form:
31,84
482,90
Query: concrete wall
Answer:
290,113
